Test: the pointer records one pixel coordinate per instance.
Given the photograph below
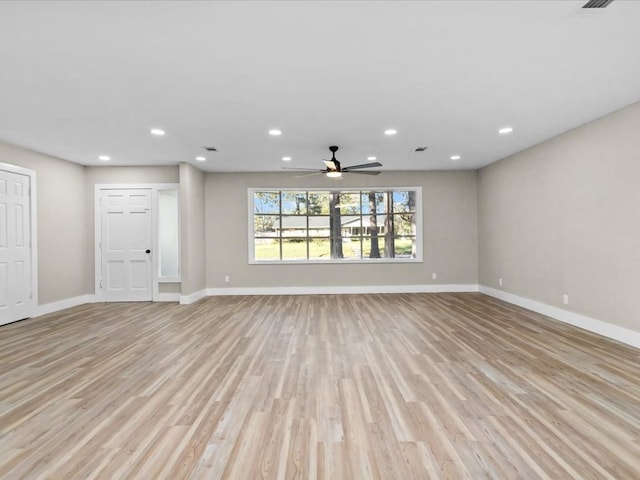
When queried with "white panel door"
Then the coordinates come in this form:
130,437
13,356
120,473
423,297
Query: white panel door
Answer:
127,269
15,247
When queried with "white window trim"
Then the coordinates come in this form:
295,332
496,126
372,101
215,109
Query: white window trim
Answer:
419,229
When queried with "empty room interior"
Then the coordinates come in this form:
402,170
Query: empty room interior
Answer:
320,239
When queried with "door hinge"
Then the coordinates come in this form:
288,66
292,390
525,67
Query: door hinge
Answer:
100,283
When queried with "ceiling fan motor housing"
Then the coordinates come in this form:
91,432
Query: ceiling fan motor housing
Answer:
333,168
336,163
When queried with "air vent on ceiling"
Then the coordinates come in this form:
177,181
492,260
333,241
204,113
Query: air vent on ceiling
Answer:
420,149
597,3
211,149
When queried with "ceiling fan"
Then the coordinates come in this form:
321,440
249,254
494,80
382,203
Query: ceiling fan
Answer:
334,170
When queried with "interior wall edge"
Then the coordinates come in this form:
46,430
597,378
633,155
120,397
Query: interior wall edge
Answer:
190,298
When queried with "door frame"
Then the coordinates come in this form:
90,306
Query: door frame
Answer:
33,224
154,188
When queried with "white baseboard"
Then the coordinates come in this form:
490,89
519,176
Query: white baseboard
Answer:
615,332
193,297
63,304
332,290
167,297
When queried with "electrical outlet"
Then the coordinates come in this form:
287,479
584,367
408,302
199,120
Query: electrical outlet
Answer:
227,278
434,276
565,299
500,281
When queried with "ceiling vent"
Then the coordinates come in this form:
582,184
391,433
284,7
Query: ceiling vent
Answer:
420,149
597,4
211,149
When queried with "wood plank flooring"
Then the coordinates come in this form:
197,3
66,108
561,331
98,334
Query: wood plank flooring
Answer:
422,386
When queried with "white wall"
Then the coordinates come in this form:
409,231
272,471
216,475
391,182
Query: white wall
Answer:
563,217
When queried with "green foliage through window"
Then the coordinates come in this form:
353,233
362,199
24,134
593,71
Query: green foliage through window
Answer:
316,225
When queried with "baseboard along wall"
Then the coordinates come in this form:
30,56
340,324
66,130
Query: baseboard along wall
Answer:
615,332
64,304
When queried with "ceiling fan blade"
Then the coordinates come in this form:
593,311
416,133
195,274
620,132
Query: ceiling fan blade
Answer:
362,165
309,174
330,164
304,169
363,172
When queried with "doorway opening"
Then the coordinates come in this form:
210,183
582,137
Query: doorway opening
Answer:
137,241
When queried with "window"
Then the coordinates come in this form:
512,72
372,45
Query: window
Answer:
168,235
338,225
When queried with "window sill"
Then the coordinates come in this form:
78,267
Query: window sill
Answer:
333,261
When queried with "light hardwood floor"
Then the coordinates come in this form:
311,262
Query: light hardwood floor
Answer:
408,386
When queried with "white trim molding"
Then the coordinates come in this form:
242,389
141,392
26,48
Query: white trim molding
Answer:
64,304
167,297
193,297
154,189
615,332
417,190
332,290
33,214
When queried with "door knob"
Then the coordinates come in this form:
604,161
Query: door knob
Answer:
147,251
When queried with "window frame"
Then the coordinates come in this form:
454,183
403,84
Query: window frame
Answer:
351,260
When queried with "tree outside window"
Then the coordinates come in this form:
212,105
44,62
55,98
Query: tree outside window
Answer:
335,225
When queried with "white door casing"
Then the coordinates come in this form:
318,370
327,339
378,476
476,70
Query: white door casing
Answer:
17,256
126,245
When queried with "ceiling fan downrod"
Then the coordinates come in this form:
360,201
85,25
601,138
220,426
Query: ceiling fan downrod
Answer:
333,149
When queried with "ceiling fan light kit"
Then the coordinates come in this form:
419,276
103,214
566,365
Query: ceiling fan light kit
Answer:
334,170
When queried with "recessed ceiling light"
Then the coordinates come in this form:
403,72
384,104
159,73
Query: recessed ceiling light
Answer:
334,174
286,159
455,157
104,158
157,131
390,131
200,159
275,132
371,158
504,130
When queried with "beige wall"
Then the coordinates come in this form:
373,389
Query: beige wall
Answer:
564,218
449,220
61,215
116,175
97,175
559,218
192,218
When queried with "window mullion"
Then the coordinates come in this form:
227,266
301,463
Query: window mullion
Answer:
280,220
401,223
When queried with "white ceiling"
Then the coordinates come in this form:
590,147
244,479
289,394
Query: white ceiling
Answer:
80,79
